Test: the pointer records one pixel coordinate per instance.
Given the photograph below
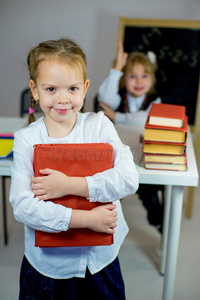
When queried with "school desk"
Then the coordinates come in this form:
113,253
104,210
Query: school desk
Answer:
174,182
8,125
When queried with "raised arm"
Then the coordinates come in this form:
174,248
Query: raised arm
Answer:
121,58
108,90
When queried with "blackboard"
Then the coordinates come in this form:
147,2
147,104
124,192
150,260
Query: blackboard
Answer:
177,48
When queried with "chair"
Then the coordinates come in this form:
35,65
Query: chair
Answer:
96,105
25,102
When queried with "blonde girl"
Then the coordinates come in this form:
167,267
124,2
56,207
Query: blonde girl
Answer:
58,81
127,93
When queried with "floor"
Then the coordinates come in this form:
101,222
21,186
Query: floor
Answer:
139,255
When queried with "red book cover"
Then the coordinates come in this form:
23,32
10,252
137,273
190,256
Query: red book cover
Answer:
164,143
74,160
167,114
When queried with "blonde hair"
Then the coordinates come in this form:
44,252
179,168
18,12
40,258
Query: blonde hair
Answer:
63,49
142,59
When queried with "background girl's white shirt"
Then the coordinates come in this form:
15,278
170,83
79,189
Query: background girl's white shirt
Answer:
110,185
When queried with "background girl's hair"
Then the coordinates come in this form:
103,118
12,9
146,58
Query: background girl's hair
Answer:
63,49
142,59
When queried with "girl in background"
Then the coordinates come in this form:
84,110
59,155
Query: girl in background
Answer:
58,81
126,96
127,93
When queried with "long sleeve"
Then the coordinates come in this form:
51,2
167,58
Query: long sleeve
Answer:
108,91
122,179
38,214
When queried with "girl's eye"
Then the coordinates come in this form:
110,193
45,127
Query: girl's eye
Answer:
73,89
51,89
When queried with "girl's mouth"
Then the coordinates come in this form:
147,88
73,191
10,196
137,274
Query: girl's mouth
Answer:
63,111
138,88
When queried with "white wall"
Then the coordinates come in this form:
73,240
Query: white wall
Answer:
92,23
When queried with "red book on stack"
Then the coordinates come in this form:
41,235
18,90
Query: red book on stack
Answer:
167,115
74,160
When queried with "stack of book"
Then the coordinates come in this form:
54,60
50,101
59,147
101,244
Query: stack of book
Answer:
165,135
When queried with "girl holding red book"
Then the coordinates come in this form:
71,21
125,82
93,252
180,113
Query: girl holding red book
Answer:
59,82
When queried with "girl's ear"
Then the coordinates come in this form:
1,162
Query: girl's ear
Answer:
86,86
34,90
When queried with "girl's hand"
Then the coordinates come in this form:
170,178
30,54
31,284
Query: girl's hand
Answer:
53,185
102,218
121,57
108,111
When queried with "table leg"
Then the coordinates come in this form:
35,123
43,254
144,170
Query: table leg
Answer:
165,228
173,242
4,210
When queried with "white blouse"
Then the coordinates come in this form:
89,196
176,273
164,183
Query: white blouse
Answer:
110,185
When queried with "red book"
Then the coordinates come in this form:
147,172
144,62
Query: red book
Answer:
170,115
74,160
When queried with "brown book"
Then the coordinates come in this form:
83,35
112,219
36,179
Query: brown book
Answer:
74,160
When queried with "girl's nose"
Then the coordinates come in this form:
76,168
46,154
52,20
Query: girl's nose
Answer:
139,79
63,98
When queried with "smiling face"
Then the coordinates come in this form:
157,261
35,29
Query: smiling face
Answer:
60,90
138,82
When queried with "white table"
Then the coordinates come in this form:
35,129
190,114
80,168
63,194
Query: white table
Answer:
5,172
8,125
174,182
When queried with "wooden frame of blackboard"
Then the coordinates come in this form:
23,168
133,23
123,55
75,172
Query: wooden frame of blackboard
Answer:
147,31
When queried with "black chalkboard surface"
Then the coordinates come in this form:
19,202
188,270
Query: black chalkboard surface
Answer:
177,47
